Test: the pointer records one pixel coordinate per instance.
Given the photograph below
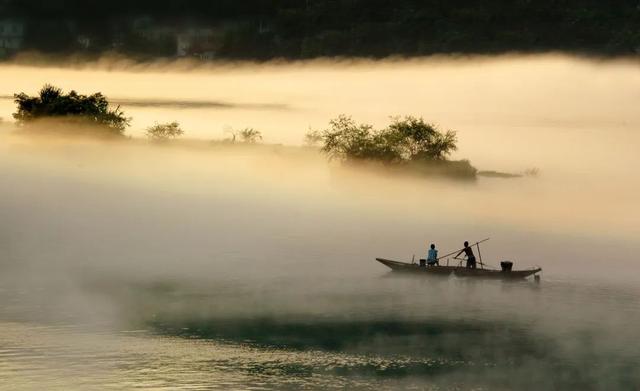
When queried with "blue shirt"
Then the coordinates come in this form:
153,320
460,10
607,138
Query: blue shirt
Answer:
433,254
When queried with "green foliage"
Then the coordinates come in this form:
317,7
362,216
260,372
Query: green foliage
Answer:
419,140
73,108
164,132
347,140
405,139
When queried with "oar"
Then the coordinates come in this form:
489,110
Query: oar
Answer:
457,251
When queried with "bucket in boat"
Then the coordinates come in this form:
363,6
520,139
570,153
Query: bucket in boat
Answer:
506,266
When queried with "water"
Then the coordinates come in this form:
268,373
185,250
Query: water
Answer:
125,265
381,333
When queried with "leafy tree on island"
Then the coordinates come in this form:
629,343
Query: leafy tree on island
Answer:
405,139
418,140
70,109
408,141
164,132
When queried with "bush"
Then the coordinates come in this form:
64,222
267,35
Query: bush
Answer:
246,135
250,135
405,139
408,141
71,108
418,140
164,132
346,140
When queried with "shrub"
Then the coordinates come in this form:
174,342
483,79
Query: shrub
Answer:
418,140
408,141
405,139
249,135
72,108
164,132
246,136
346,140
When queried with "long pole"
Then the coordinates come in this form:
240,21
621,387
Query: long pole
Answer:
480,255
457,251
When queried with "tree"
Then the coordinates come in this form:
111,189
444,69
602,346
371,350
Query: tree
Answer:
164,132
404,140
420,140
246,135
249,135
347,140
72,108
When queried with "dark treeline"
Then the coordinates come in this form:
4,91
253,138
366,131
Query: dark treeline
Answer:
262,29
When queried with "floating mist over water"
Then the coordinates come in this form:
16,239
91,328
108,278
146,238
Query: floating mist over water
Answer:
252,249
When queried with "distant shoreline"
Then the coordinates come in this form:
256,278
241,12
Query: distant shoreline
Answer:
111,61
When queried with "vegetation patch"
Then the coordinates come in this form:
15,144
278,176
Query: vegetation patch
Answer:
407,142
164,132
91,113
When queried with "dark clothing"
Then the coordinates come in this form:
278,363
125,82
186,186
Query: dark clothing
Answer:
471,258
471,262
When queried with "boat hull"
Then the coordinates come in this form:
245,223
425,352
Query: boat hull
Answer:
459,271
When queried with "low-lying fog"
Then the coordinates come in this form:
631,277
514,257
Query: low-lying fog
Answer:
278,229
535,110
574,120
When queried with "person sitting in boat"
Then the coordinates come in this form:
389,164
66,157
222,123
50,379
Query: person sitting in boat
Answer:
432,257
471,258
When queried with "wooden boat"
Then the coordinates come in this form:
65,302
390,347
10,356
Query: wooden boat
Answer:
459,271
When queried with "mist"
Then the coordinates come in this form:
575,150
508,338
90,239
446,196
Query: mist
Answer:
275,245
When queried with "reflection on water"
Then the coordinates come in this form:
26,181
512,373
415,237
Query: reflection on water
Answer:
202,266
63,358
360,334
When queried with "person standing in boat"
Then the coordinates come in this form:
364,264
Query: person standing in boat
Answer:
471,258
432,256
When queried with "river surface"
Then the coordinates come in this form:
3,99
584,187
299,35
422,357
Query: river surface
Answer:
203,266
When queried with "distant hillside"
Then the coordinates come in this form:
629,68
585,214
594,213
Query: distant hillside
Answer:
261,29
